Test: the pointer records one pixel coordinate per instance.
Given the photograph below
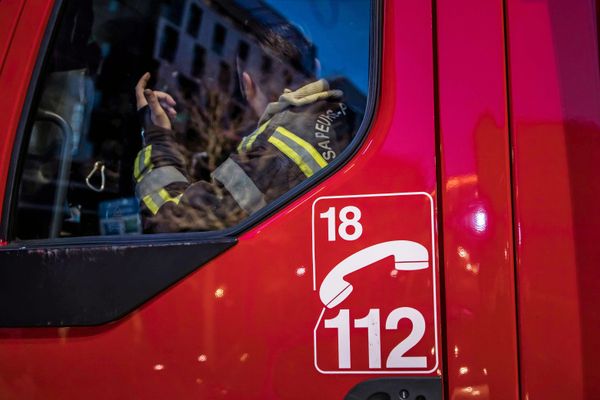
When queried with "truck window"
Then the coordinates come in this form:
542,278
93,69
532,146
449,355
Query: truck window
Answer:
163,116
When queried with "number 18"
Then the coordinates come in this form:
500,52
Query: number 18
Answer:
346,222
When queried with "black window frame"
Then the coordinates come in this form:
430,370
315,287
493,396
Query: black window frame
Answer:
222,239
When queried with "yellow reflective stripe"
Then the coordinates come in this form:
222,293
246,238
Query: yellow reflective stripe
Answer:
142,165
167,197
147,154
242,144
136,166
154,201
304,144
291,154
253,137
152,206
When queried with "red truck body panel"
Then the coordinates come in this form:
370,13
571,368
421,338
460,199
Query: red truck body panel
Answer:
555,94
476,197
489,109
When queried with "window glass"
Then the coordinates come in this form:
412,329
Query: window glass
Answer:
185,115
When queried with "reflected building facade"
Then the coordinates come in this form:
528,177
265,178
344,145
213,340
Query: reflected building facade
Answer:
199,43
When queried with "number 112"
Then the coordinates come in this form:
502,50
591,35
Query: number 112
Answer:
396,358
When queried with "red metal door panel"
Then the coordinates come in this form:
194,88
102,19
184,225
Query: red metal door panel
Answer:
242,326
10,11
555,96
478,250
16,72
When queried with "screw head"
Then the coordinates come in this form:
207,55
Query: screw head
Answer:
404,394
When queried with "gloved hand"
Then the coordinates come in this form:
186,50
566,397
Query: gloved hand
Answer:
159,105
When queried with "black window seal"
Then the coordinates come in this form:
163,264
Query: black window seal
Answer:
32,97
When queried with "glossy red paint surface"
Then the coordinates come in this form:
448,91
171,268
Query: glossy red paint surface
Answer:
555,94
242,325
478,251
9,15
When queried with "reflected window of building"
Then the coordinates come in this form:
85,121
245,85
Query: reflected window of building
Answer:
224,76
287,77
219,36
199,61
168,44
95,165
266,65
171,9
194,20
243,50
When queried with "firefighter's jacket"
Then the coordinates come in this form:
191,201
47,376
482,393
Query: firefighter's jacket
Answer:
296,137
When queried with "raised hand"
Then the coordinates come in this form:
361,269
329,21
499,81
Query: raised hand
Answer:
161,104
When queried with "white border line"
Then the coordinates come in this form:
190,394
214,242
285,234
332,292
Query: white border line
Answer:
433,269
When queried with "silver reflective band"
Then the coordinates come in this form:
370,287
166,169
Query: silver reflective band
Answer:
241,187
157,179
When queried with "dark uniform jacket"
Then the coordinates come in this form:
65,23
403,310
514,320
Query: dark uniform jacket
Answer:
296,137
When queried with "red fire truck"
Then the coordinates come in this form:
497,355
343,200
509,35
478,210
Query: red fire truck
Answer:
449,252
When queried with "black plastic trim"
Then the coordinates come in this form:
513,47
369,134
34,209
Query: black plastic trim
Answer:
409,388
84,286
439,187
513,183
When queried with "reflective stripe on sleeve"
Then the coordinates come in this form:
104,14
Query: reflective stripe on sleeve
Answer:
157,179
242,188
154,201
242,144
142,163
248,141
302,153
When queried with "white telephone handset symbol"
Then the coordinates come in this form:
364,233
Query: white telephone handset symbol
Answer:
408,256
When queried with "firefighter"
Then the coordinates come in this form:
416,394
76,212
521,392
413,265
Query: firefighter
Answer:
298,133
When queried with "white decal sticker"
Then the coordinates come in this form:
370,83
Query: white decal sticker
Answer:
383,247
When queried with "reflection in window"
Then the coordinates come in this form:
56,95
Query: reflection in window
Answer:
219,35
224,76
243,50
267,65
194,19
287,78
173,10
169,42
199,61
89,171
